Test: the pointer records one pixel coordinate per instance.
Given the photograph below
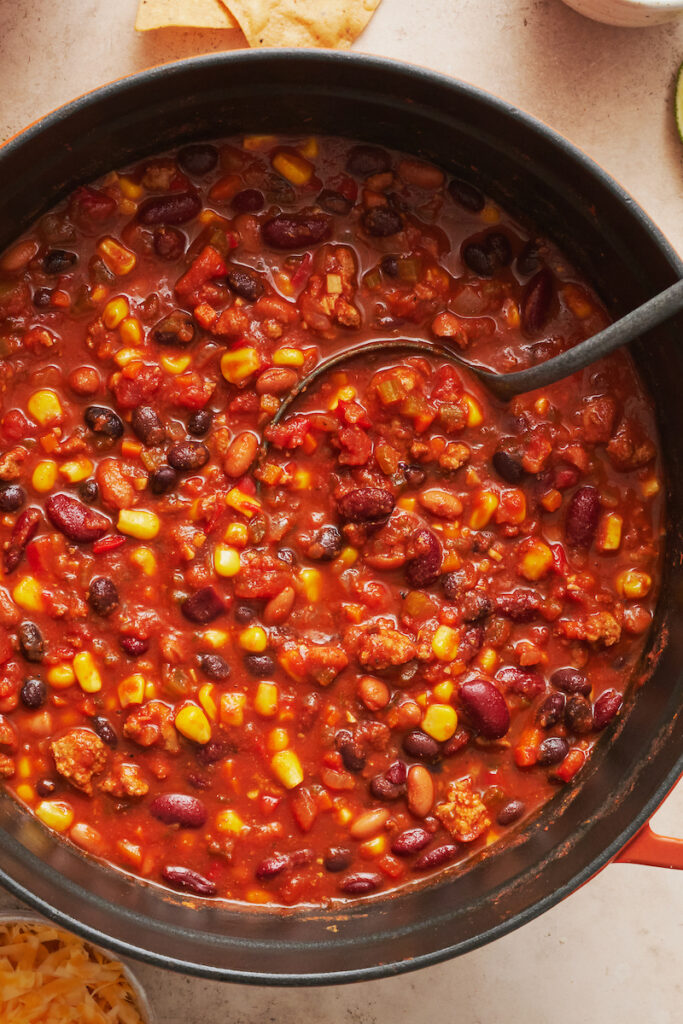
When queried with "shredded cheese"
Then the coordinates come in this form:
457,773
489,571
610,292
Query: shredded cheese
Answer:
48,976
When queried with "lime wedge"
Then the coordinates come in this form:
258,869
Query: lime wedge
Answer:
678,102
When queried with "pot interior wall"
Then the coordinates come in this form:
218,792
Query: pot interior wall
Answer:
540,178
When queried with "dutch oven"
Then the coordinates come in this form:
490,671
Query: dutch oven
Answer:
538,177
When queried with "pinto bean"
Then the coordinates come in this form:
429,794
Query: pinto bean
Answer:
296,230
373,693
179,809
188,880
369,823
240,454
420,174
278,609
420,791
441,503
276,381
581,521
366,505
486,707
175,208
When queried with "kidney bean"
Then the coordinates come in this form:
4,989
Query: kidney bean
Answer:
578,714
278,609
200,422
337,858
162,480
214,666
175,329
169,243
203,606
436,858
46,787
397,773
188,455
275,381
536,302
12,497
33,694
475,605
364,160
198,158
520,605
249,200
133,646
31,642
360,883
369,823
526,684
103,597
420,791
22,532
178,809
366,505
261,666
466,195
105,730
373,693
334,202
411,841
382,788
571,681
103,421
147,426
213,751
582,517
382,221
326,544
421,746
424,566
508,466
188,880
272,866
509,812
175,208
89,491
296,230
550,711
552,750
486,707
240,454
606,707
245,283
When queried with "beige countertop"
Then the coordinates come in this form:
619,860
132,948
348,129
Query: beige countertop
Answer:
612,951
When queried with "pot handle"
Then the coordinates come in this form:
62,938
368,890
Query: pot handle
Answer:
648,847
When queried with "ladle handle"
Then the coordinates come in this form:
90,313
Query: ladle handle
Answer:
652,313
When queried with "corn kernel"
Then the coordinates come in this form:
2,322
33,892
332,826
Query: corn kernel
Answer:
287,768
237,535
232,708
174,364
253,639
129,188
115,311
145,559
56,814
193,724
440,722
650,487
229,821
484,505
257,896
633,584
207,699
374,847
26,792
309,148
226,560
130,330
24,768
266,699
76,469
293,167
28,594
345,394
536,560
348,557
125,356
407,504
302,480
445,643
87,673
609,532
138,523
444,690
44,406
247,504
215,638
252,142
98,293
116,257
474,416
61,675
488,659
577,301
278,739
490,214
310,579
240,363
288,357
44,476
131,690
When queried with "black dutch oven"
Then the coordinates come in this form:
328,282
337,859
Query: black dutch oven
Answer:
539,177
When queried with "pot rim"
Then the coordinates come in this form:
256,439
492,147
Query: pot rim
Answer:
328,59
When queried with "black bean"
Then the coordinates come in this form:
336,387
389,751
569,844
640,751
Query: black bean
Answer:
103,421
550,711
175,329
186,456
487,256
467,195
249,200
103,596
147,426
510,812
421,746
365,160
214,666
200,422
105,730
59,261
261,666
334,202
46,787
477,260
198,158
33,694
384,789
42,297
245,283
452,584
389,266
382,221
337,858
351,751
508,466
162,480
31,641
287,556
12,497
529,260
578,714
552,750
169,243
244,613
89,492
571,681
415,476
326,545
204,605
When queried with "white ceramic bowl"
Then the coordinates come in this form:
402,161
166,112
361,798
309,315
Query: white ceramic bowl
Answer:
629,13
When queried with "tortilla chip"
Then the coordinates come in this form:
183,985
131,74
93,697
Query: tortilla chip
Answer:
327,23
183,14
